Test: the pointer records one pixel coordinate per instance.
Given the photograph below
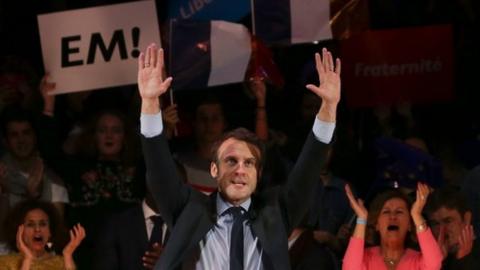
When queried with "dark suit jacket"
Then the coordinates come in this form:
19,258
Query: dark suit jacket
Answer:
123,241
274,212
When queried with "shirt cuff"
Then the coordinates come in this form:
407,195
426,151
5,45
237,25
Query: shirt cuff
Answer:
323,131
151,125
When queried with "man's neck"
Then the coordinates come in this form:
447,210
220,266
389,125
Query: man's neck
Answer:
223,204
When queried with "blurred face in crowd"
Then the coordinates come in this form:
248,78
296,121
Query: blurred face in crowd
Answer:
110,136
36,232
452,222
209,123
393,221
236,170
20,139
14,89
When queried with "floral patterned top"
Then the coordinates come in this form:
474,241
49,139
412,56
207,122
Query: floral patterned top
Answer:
108,181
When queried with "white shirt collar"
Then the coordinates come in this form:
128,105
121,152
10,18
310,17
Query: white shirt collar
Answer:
147,211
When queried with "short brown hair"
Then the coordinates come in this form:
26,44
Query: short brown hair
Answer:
448,197
242,134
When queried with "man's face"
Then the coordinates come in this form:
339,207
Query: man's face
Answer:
20,139
209,123
235,171
452,222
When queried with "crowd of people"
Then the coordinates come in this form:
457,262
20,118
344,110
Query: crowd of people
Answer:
131,203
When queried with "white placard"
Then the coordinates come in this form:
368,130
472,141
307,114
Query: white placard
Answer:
97,47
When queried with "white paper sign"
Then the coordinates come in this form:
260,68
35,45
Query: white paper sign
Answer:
94,48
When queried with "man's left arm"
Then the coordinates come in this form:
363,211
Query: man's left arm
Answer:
307,170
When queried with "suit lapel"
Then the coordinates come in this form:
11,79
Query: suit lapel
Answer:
190,228
206,221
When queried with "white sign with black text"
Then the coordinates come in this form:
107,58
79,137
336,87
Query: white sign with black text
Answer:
97,47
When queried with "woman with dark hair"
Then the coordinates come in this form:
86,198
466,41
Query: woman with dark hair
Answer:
39,229
391,218
107,171
103,170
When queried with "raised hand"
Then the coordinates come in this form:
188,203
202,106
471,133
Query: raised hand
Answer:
151,256
46,88
421,199
150,73
465,242
170,115
77,234
170,118
356,204
21,246
329,88
259,90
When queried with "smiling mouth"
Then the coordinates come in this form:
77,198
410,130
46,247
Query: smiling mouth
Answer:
392,228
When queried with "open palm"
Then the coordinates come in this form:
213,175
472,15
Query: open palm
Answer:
150,73
356,204
329,75
77,234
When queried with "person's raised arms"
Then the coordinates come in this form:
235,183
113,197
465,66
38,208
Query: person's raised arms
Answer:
329,88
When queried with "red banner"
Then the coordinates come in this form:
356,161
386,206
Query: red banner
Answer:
401,65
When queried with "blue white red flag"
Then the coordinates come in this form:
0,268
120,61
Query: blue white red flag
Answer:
208,53
291,21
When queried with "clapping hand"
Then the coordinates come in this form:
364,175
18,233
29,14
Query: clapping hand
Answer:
465,242
77,234
356,204
259,90
421,199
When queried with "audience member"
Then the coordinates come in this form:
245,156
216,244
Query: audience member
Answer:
38,227
449,216
330,211
23,172
389,215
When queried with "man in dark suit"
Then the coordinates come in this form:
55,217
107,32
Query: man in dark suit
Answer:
132,239
237,227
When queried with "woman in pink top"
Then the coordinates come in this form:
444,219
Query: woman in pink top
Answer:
390,220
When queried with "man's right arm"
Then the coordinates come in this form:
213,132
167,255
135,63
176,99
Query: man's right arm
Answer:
163,181
306,172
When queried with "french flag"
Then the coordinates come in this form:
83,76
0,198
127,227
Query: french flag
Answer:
208,53
291,21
